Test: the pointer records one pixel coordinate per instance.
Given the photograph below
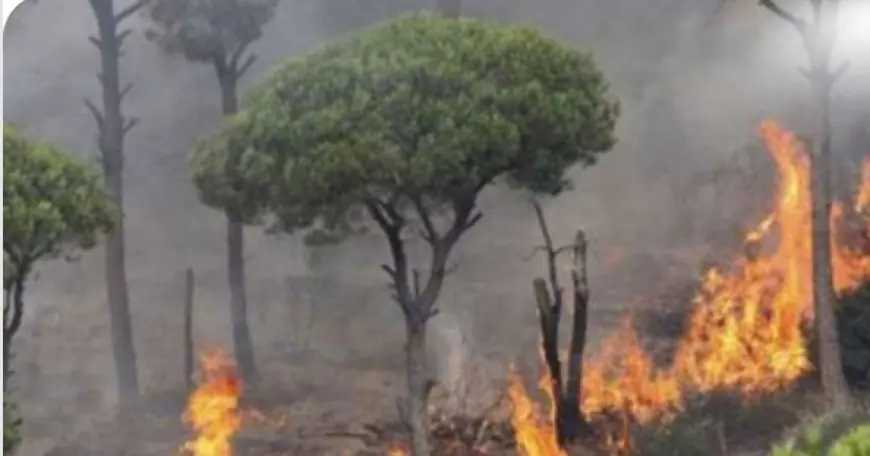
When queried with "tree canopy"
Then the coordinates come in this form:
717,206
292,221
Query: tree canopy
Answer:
211,31
51,201
412,116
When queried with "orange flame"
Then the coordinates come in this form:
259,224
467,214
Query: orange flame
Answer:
212,409
745,329
535,435
397,450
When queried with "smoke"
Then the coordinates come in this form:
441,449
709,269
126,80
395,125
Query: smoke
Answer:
693,87
452,358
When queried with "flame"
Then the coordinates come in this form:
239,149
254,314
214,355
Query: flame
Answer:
745,331
397,450
746,328
212,409
535,435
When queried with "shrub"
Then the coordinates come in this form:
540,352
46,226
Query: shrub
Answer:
11,428
853,321
835,435
717,420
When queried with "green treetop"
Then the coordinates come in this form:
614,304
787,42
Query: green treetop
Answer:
404,124
52,203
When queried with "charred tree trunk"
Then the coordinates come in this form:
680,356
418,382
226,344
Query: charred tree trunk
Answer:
113,126
189,289
566,394
574,424
549,315
818,38
244,348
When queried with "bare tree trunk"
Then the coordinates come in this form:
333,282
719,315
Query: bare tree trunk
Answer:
113,127
566,395
573,419
244,348
824,297
189,289
417,411
818,35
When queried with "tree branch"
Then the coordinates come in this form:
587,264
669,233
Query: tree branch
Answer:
245,66
98,117
122,36
429,234
128,11
399,272
390,271
236,56
131,122
555,286
126,90
472,221
838,73
799,24
96,42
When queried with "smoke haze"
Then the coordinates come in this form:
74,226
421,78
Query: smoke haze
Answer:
693,83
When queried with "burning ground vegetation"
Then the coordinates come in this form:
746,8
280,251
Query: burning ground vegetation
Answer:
745,334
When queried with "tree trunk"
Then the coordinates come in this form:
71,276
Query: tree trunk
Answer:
189,289
573,421
238,304
417,414
824,297
244,348
112,130
13,314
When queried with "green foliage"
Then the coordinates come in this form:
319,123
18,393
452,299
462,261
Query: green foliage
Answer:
708,419
853,321
229,175
204,30
421,112
51,201
11,427
835,435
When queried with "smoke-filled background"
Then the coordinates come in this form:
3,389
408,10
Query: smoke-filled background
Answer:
694,78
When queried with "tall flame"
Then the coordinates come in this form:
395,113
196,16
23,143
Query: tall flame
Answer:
745,328
212,410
